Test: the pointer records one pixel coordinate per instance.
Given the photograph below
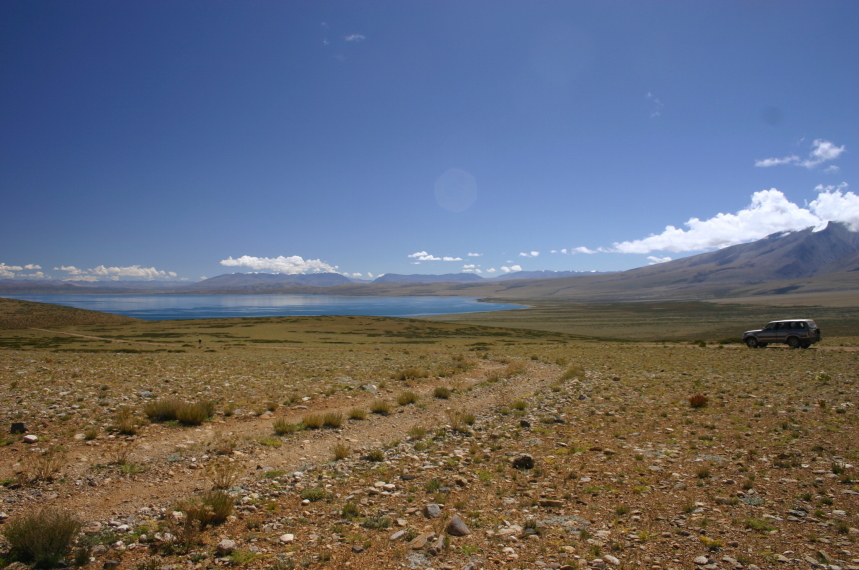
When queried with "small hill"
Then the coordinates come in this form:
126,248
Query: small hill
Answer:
16,314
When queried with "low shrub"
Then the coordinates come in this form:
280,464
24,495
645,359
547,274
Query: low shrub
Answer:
357,414
698,401
42,537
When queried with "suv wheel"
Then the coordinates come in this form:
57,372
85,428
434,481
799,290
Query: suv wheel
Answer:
793,342
752,342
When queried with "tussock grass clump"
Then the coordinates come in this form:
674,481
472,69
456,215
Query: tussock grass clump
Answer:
45,466
341,451
350,511
125,423
406,398
417,432
332,420
460,420
520,405
223,474
208,509
380,407
441,392
195,414
412,374
376,455
314,494
514,369
223,444
698,401
174,409
313,421
163,410
283,427
42,537
573,372
357,414
376,523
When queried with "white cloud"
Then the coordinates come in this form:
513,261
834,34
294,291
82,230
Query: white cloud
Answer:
822,151
424,256
147,273
356,275
475,255
370,275
564,250
8,271
32,266
293,265
491,270
769,212
83,278
656,110
354,38
511,269
654,260
831,169
583,249
469,266
776,161
531,254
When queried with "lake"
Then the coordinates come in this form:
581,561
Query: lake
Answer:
172,307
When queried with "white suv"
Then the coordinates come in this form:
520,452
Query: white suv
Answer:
795,333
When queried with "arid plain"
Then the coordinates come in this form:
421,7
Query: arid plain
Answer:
363,442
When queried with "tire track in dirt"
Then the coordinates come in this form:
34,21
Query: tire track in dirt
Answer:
157,486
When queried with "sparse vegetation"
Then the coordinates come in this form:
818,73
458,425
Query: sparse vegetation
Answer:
42,537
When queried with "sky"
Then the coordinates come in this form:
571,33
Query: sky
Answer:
178,140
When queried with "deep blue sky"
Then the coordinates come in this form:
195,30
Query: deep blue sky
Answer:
170,136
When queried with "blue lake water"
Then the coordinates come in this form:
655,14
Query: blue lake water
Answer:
172,307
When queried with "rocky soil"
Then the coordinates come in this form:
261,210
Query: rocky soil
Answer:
544,455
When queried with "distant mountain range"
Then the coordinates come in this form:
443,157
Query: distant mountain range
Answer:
780,263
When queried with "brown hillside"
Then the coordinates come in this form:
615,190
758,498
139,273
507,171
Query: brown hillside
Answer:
16,314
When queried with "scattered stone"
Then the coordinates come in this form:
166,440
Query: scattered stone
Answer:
701,560
524,423
456,527
357,549
30,439
523,461
432,511
611,560
397,535
421,540
550,503
18,427
225,547
287,538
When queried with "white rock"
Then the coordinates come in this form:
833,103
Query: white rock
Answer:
287,538
701,560
611,560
